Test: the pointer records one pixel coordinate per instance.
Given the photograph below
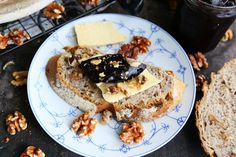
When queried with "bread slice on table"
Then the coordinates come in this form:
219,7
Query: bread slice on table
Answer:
216,113
144,106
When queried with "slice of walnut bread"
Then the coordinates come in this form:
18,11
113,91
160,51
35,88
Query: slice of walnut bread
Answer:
144,106
216,113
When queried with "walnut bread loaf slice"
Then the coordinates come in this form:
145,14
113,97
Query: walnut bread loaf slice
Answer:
65,93
216,113
143,106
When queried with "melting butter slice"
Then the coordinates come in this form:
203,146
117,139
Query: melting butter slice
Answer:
98,34
129,88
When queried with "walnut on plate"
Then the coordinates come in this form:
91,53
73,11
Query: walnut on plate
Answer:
32,151
54,10
16,122
138,45
3,41
132,133
106,117
84,125
20,78
198,61
92,3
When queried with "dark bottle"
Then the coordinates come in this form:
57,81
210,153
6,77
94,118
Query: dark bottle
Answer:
199,26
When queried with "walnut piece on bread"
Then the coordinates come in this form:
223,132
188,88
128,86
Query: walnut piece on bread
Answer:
32,151
16,122
84,125
132,133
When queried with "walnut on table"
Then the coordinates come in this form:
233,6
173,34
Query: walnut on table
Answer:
200,82
3,41
198,61
16,122
92,3
54,10
20,78
84,125
18,36
132,133
228,35
32,151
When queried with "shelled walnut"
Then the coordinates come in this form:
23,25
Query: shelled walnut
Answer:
32,151
200,82
198,61
3,41
54,10
18,36
20,78
138,45
84,125
141,42
92,3
16,122
132,133
228,35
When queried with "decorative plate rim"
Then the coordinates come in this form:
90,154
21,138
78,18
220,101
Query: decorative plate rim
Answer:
112,14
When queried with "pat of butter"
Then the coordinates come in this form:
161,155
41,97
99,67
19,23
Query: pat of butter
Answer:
130,89
98,34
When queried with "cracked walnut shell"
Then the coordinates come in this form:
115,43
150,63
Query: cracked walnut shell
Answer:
32,151
132,133
84,125
16,122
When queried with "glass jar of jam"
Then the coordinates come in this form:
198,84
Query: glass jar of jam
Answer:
199,25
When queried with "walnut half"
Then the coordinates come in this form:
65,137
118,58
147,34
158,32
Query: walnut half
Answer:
16,122
20,78
132,133
84,125
32,151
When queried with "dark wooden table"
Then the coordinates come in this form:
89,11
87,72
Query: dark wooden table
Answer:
185,144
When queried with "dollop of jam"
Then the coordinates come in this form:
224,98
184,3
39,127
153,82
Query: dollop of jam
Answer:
110,68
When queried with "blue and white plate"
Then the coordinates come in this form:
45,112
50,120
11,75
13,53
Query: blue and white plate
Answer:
56,116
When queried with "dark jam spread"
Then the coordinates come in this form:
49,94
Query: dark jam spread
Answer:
110,68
